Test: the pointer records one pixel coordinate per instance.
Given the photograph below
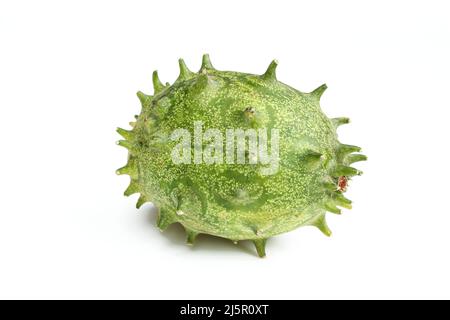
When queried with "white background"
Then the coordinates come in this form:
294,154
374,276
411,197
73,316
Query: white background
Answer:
69,71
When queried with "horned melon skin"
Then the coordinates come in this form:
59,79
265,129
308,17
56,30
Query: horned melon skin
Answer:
237,201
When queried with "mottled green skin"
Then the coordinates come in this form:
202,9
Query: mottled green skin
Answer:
236,201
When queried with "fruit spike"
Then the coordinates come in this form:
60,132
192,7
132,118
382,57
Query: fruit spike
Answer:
145,99
319,91
125,133
356,158
270,73
321,224
288,182
206,63
190,236
340,121
157,84
260,245
185,73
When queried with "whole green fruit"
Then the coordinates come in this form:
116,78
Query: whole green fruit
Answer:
283,168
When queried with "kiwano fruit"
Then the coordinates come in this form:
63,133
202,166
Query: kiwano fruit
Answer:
236,155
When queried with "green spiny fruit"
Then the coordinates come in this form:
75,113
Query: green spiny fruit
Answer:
199,150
